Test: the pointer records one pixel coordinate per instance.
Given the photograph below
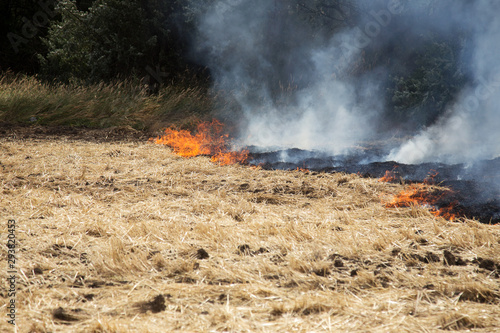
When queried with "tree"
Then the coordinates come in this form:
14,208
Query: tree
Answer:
108,41
118,38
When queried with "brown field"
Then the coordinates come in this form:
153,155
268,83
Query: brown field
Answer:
123,236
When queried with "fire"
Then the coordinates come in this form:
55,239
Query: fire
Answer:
231,157
304,169
208,139
445,212
388,177
424,195
431,177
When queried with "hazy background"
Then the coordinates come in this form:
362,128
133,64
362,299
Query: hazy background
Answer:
384,69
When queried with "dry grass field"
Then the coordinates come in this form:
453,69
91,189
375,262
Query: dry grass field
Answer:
124,236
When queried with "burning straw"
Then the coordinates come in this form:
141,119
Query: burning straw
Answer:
422,194
208,139
211,139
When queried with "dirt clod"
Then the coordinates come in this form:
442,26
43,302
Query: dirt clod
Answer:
488,264
244,186
324,271
395,251
427,259
261,250
422,241
244,249
156,305
61,314
202,254
431,257
450,259
338,263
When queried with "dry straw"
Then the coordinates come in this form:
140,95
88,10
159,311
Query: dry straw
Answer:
126,237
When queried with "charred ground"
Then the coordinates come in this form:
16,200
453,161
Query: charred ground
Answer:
473,193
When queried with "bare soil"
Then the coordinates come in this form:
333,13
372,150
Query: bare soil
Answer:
116,234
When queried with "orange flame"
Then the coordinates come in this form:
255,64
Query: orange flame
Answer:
209,139
431,177
231,157
388,177
422,195
303,169
445,212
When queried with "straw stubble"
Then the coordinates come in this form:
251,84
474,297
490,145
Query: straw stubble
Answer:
125,236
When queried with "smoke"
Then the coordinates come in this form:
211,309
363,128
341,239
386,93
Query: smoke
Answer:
303,86
470,129
290,83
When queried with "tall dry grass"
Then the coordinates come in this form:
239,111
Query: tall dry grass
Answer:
28,100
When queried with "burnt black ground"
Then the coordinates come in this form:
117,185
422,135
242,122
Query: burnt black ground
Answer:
475,186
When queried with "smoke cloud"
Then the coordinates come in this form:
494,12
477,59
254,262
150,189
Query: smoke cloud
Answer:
298,86
470,129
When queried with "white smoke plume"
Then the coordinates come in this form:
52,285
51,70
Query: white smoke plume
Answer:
249,47
244,45
470,130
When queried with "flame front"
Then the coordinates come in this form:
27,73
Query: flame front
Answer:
389,176
209,139
423,195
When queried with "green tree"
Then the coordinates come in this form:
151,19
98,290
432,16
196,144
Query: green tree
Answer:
118,38
108,41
